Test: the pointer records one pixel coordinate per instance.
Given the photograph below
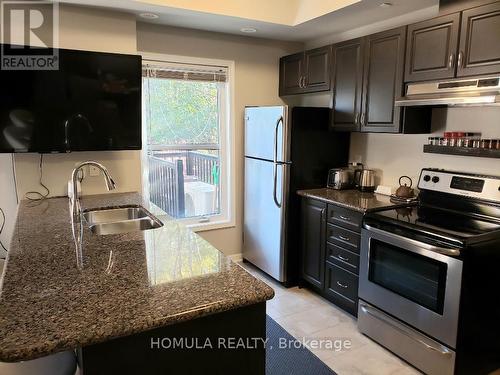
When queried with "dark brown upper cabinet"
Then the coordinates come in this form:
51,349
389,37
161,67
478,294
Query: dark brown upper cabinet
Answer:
383,81
348,84
291,68
306,72
431,51
367,79
479,51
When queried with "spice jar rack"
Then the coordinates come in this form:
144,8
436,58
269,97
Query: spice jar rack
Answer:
464,144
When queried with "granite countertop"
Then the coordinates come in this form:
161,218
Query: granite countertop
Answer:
352,199
125,284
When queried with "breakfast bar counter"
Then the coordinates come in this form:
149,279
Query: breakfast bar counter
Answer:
67,288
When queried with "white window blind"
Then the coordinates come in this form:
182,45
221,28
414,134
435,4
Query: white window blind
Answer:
184,72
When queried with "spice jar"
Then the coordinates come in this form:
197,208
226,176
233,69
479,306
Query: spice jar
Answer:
459,139
447,138
485,143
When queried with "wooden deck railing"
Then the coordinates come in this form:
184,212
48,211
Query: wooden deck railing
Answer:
166,185
168,171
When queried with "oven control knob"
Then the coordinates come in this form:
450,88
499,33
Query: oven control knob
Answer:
427,178
435,179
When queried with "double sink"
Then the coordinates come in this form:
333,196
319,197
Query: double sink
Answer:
123,219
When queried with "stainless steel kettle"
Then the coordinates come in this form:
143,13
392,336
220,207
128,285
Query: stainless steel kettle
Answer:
367,180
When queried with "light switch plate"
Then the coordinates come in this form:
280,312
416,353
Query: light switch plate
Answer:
93,171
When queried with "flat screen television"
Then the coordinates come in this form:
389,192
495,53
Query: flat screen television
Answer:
91,103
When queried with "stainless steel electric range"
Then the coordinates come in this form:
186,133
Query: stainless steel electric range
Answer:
429,283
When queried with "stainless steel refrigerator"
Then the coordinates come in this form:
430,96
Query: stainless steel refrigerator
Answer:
285,150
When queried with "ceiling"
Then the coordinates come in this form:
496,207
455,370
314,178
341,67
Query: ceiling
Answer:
292,20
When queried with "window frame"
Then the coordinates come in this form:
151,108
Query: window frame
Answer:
227,141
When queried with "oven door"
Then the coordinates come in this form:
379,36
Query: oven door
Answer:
414,281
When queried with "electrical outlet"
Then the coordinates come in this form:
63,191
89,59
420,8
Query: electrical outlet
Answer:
93,171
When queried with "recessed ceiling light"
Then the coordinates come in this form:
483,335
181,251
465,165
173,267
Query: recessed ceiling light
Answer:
248,30
385,5
149,16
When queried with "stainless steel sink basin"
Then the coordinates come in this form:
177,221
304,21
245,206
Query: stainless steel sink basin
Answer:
123,219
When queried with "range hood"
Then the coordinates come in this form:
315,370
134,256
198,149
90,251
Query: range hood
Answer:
458,92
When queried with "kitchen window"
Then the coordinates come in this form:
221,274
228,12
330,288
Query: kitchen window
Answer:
187,141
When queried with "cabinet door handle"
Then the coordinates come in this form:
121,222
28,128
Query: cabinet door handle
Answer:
345,218
363,118
300,82
343,258
460,58
451,61
342,285
323,214
356,118
305,81
344,238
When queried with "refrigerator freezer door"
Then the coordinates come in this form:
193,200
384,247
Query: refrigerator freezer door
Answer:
264,221
267,133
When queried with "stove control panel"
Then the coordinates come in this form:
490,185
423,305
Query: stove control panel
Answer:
464,184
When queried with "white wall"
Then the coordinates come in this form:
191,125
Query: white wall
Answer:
256,83
96,30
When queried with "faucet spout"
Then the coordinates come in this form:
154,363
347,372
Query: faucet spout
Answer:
110,184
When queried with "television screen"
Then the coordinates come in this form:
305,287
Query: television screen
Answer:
91,103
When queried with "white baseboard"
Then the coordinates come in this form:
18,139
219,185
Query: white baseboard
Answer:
236,257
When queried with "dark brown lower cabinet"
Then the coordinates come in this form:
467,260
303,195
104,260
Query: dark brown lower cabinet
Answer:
313,214
341,287
330,252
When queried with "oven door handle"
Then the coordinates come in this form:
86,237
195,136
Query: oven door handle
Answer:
436,249
366,309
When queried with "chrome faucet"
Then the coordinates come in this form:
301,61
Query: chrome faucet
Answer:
110,184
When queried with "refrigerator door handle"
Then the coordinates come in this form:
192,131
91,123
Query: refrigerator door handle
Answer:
275,178
275,158
275,162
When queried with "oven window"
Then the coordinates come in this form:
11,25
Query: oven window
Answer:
413,276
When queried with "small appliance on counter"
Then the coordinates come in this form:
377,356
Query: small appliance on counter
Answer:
356,169
340,179
367,181
345,178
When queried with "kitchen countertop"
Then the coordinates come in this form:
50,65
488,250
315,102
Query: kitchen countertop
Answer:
126,284
351,199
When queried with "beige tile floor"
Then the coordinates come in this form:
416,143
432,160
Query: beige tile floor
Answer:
305,315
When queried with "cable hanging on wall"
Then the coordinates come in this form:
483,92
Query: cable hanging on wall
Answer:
38,196
1,230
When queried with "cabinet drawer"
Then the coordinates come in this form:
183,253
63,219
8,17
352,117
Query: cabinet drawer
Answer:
342,258
343,237
342,287
345,218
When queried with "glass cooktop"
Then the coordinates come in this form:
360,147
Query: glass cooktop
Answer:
437,221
